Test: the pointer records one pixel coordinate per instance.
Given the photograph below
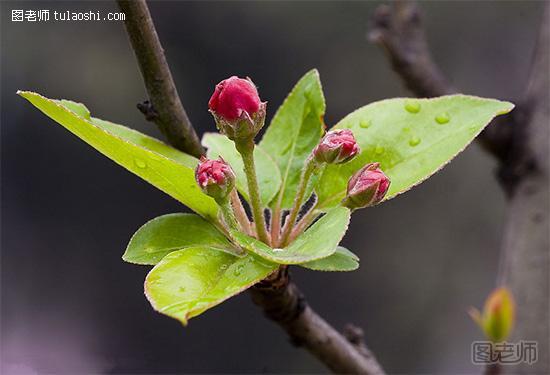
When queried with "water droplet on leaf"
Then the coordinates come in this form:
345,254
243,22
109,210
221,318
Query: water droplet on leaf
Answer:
414,141
364,124
140,163
412,106
379,150
238,270
443,118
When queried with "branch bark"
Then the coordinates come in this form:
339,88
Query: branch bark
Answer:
525,255
397,29
520,143
165,108
283,303
277,296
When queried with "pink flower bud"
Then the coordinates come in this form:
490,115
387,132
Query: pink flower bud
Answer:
215,178
336,147
366,187
237,108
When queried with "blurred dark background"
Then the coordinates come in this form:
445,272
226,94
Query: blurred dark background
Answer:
70,305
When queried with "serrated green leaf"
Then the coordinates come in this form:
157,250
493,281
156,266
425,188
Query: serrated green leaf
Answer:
317,242
167,233
188,282
269,176
295,130
157,163
341,261
410,138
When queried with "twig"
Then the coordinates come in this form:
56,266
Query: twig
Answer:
283,303
165,108
280,299
397,29
356,337
520,143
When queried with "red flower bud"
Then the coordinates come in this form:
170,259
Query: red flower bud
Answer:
337,146
237,108
366,187
215,178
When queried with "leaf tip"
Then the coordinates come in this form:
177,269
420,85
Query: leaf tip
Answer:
314,72
23,93
507,108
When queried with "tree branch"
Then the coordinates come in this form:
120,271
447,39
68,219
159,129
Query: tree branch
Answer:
165,108
397,29
280,299
525,255
283,303
520,143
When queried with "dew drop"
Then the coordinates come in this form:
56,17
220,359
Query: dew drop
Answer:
412,107
182,289
442,118
140,163
277,250
238,270
365,124
379,150
414,141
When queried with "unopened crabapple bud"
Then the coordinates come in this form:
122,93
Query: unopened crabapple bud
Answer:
336,147
366,187
497,319
215,178
237,108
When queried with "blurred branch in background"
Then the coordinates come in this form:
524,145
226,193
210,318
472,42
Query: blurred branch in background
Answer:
277,296
520,144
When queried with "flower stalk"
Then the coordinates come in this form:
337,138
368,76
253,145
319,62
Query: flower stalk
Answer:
307,172
246,149
306,220
240,213
228,215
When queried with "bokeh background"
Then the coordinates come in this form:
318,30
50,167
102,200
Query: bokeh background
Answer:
70,305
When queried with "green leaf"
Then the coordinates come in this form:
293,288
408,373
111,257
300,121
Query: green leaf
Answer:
269,176
317,242
157,163
78,108
295,130
171,232
411,138
342,260
188,282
